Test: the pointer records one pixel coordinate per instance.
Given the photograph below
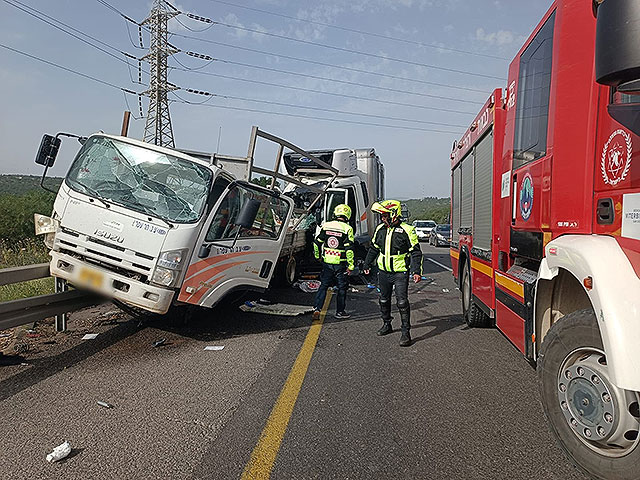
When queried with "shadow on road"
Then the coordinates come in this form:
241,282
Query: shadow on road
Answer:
439,324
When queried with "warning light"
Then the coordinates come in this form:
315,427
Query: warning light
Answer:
553,251
588,283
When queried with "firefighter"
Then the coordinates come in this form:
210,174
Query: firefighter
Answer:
396,250
334,244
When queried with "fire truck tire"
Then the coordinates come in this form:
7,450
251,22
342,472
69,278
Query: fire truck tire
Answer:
473,315
595,422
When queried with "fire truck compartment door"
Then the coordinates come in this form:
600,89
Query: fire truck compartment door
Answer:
615,296
228,257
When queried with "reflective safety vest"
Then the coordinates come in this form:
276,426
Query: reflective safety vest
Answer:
335,243
396,249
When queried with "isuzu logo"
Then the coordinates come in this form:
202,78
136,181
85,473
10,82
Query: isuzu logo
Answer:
108,236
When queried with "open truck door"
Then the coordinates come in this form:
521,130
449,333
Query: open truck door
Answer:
239,244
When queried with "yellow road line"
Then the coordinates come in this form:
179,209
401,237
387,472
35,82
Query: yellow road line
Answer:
264,454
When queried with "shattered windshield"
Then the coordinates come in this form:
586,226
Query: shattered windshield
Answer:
142,179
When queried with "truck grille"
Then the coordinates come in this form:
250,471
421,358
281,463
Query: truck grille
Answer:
116,258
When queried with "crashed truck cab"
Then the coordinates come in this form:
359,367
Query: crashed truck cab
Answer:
140,224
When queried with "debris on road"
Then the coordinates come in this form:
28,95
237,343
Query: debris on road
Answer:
104,404
445,290
159,343
60,452
90,336
308,286
354,290
283,309
214,348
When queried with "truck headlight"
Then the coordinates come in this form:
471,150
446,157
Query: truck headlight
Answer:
168,267
164,276
45,224
172,259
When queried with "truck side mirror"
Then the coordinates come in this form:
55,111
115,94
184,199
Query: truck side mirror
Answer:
48,150
204,251
248,213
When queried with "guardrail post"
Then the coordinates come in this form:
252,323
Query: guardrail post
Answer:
61,320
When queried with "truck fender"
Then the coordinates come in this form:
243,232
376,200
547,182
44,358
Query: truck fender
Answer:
614,297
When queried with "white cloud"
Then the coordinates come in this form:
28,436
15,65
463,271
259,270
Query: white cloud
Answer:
499,38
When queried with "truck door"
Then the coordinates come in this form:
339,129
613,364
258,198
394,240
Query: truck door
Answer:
333,198
229,257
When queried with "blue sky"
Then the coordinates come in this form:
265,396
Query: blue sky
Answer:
38,98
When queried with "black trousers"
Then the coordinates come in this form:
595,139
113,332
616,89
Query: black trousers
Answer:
329,273
387,281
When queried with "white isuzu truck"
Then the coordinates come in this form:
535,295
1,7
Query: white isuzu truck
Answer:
152,227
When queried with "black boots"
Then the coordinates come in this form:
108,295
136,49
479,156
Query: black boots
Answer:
405,316
405,338
386,329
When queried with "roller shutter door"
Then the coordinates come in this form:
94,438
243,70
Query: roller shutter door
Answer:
483,186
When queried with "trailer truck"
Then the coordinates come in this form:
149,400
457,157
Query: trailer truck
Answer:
546,225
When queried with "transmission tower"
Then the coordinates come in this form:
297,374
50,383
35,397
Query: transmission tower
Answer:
158,129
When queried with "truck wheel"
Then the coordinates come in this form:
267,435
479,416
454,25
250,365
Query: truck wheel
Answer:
595,422
291,271
473,315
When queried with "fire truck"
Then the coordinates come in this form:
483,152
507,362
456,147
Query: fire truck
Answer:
546,225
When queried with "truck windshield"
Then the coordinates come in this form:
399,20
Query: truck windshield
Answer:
141,179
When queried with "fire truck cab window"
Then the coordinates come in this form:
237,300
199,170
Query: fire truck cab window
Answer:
534,84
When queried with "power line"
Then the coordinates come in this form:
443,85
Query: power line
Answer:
312,117
359,52
43,18
321,109
103,82
344,82
309,90
323,64
70,70
361,32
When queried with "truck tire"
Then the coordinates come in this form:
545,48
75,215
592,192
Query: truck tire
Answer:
291,271
595,422
473,315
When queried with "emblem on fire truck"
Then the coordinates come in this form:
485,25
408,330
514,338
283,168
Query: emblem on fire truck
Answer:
526,197
616,157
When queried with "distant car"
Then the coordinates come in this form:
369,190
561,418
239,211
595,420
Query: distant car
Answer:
424,228
441,235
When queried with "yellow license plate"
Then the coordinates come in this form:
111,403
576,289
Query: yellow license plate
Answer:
90,277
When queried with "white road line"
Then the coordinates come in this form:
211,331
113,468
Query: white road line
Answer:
439,264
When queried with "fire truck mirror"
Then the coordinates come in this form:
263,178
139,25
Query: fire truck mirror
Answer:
48,151
617,39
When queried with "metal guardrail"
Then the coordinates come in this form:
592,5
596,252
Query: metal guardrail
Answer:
25,310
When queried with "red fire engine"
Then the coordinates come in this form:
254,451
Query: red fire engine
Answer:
545,219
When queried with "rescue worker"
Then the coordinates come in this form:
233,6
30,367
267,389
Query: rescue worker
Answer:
334,244
396,250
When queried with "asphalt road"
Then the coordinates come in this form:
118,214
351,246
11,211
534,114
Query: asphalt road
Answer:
458,404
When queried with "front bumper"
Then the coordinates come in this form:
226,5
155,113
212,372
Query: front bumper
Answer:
110,284
422,235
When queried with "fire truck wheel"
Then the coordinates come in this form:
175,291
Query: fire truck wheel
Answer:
473,315
595,422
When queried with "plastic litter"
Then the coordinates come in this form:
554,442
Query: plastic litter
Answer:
369,285
60,452
214,348
309,286
354,290
445,290
90,336
159,343
104,404
264,301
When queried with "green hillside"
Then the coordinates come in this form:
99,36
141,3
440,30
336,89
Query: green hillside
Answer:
21,184
429,208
